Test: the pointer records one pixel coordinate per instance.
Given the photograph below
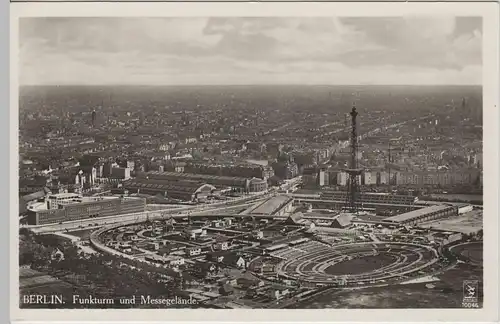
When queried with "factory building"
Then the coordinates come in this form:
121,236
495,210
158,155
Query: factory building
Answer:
66,207
286,170
423,215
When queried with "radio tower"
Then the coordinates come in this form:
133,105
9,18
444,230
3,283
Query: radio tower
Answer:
94,115
353,171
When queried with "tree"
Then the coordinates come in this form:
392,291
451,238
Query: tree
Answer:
26,257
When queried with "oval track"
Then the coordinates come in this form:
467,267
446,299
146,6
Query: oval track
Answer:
369,262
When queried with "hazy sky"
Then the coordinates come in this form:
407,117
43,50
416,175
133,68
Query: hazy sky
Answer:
423,50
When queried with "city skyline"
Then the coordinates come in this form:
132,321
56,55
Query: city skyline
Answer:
243,51
253,156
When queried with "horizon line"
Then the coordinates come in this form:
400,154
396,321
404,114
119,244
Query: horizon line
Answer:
245,85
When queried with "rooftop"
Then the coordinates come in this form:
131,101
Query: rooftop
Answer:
417,213
270,205
344,219
34,196
65,195
166,185
190,176
40,206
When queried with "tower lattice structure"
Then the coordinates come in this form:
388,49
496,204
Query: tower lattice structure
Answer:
353,172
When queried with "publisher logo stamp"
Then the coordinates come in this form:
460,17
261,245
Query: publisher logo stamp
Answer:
470,294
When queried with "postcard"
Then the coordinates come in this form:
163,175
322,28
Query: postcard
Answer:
254,161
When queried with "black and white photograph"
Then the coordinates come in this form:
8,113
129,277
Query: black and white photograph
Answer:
329,162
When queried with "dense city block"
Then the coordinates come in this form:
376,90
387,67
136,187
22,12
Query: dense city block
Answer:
250,196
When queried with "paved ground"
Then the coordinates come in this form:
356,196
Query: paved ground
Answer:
83,234
466,223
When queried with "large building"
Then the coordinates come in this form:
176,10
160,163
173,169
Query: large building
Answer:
235,183
120,173
230,170
469,176
279,205
285,170
257,185
25,200
58,208
423,215
369,197
366,178
183,190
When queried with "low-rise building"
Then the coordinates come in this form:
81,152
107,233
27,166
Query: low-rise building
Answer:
153,245
216,256
205,269
422,215
57,255
464,208
194,233
268,268
175,261
217,223
277,292
193,251
221,246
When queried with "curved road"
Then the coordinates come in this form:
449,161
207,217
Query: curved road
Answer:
405,269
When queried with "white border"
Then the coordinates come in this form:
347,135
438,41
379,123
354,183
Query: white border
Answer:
489,12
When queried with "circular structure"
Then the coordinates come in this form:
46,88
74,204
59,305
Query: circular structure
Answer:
472,252
356,263
361,264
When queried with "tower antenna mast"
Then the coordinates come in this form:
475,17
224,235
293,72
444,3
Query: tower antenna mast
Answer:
353,171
